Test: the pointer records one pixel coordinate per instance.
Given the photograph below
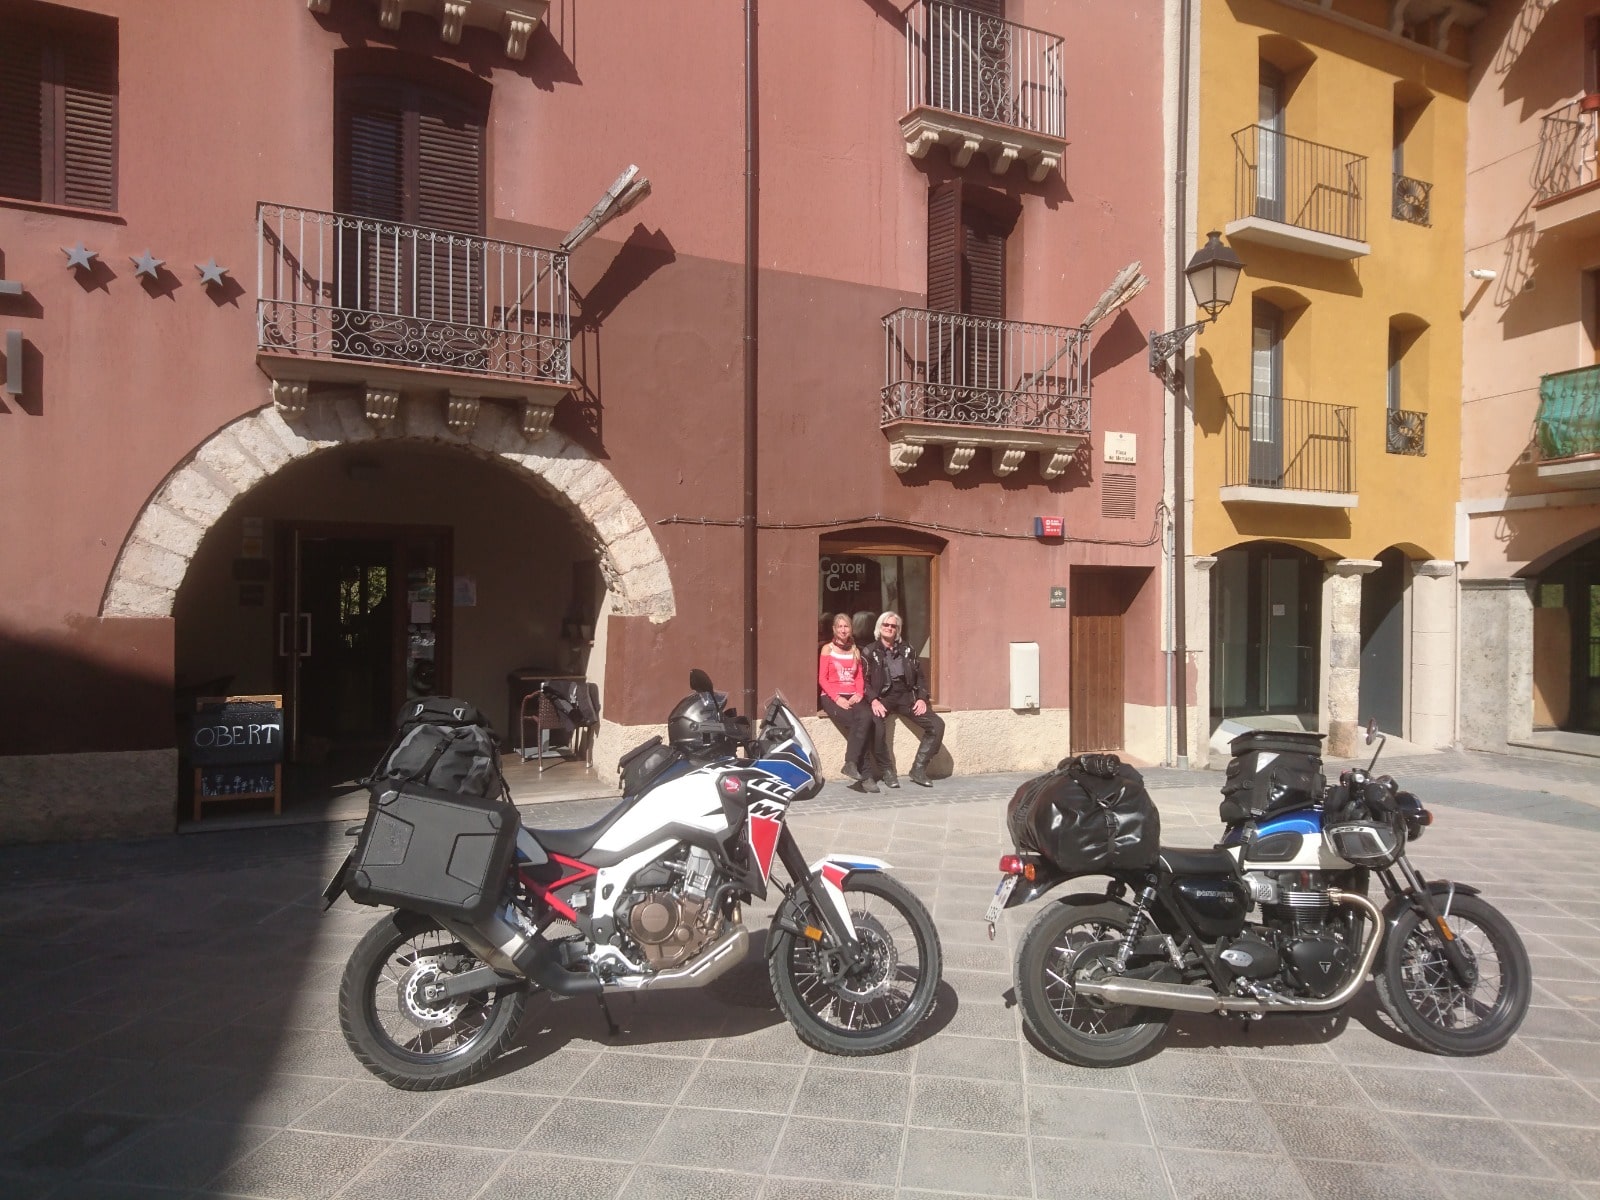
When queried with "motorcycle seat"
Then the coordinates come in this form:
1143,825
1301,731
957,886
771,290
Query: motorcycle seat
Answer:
575,843
1177,861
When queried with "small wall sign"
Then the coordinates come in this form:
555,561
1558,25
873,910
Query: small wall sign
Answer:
1122,448
1048,527
1058,597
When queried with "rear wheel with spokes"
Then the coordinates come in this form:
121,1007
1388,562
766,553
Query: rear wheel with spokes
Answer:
1064,939
395,1025
873,1005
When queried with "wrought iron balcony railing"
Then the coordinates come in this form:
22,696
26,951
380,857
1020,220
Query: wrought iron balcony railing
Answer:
1567,142
1568,424
1407,432
1294,445
975,372
1412,200
340,287
1295,182
974,65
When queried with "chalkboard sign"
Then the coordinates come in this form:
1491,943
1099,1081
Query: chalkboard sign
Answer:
236,746
236,729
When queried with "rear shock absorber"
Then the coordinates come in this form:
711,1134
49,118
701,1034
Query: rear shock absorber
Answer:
1135,928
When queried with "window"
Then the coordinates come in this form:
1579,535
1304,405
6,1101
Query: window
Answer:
863,577
1396,354
967,231
58,107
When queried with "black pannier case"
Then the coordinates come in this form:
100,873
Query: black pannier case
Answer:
434,852
1271,771
1090,814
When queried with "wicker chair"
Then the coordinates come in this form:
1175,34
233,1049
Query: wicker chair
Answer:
543,718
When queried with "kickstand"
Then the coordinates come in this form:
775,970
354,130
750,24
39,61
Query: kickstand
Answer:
611,1026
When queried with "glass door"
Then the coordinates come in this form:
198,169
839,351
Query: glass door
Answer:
1266,397
1269,144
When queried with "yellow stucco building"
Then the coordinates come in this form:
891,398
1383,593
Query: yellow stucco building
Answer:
1330,152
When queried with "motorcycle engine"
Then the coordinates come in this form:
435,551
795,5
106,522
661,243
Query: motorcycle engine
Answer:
667,914
1312,950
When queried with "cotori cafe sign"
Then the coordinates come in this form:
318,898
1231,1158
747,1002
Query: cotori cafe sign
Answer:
846,577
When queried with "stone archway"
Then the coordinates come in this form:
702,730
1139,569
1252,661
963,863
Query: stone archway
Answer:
155,556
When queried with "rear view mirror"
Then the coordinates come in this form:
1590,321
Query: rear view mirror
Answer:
1372,730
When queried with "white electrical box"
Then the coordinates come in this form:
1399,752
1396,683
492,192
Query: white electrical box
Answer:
1024,675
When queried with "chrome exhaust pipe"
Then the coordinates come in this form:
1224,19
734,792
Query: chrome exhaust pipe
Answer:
1195,997
728,951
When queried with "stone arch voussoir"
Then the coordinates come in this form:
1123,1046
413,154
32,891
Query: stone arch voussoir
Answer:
163,541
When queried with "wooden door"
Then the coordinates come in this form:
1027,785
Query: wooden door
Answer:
1099,600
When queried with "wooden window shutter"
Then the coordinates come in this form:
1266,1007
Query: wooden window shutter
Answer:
985,254
21,116
370,180
449,173
944,246
87,98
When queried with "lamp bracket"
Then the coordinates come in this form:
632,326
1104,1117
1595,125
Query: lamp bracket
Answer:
1164,345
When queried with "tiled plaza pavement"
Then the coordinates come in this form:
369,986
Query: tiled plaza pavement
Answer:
170,1030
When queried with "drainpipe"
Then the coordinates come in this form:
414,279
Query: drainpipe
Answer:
751,230
1180,522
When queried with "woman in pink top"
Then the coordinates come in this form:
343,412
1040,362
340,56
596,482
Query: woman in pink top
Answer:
841,679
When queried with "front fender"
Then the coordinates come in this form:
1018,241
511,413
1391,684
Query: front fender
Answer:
826,880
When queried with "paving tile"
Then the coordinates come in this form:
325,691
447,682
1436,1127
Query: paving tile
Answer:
641,1077
1561,1024
253,1098
101,1189
499,1120
1524,1098
1362,1181
752,1087
597,1129
1579,1060
1045,1071
420,1172
983,1164
775,1043
853,1095
1348,1134
1199,1124
700,1137
525,1175
1186,1073
1462,1185
180,1153
368,1109
304,1166
1203,1175
968,1058
1405,1089
1085,1114
650,1182
967,1104
776,1188
1073,1170
1326,1084
855,1151
1465,1144
1575,1151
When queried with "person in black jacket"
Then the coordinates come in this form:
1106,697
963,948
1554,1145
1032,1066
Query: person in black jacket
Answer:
895,685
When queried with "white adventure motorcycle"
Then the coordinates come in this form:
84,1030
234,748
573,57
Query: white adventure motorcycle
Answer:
648,897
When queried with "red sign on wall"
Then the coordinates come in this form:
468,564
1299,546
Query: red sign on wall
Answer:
1048,527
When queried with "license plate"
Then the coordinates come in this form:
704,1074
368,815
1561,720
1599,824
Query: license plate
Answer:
1002,893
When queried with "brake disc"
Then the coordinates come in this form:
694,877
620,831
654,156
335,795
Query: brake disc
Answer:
420,1011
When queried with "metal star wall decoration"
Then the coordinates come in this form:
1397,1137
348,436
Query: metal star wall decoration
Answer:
79,257
210,273
147,264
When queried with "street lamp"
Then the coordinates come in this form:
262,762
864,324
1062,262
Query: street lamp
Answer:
1213,275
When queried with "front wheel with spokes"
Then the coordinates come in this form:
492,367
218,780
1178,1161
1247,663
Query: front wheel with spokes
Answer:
873,1005
1432,1003
395,1025
1064,939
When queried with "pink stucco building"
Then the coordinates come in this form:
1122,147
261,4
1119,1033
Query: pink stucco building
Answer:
304,397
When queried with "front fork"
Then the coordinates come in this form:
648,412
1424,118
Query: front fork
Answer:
1420,894
821,886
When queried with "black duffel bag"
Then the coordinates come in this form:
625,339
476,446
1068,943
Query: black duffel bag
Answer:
445,744
1091,814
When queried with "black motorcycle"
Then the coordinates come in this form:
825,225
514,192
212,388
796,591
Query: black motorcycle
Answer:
1275,919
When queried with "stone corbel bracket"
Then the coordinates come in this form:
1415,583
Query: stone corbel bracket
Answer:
1007,447
291,396
536,418
461,412
513,20
382,404
924,128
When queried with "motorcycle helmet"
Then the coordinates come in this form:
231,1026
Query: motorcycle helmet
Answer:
696,727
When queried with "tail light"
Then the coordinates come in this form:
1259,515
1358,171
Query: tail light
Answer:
1015,864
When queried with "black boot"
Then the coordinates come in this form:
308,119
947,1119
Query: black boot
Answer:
919,767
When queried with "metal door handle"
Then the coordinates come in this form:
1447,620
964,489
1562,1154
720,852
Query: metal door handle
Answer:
305,635
283,635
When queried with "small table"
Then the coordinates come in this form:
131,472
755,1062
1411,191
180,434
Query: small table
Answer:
525,681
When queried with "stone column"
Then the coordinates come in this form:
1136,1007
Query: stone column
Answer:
1433,653
1496,677
1340,702
1197,620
